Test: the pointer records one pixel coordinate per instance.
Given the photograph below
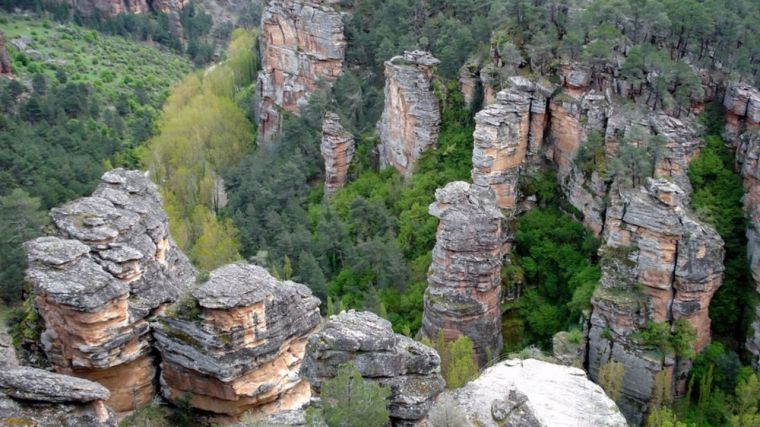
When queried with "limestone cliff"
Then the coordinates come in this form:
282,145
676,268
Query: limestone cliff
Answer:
236,343
410,369
338,148
464,281
302,46
111,8
659,264
527,393
411,114
110,267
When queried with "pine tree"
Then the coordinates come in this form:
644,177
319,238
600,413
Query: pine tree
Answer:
348,400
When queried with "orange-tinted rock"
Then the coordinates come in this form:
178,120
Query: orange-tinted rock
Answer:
411,114
337,149
110,268
464,281
236,344
302,44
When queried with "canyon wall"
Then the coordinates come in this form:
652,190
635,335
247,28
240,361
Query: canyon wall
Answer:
111,8
464,281
110,267
236,343
302,46
408,368
411,115
337,148
659,264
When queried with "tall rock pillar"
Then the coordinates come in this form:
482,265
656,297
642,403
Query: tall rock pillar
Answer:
338,148
411,115
464,280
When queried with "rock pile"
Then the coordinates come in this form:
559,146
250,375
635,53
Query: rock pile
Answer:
411,114
464,281
410,369
236,343
110,267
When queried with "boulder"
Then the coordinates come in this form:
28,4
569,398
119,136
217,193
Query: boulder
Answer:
411,115
235,344
410,369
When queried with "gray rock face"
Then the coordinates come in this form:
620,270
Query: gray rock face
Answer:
111,265
411,115
302,44
338,148
742,104
659,264
464,280
410,369
529,393
237,342
41,398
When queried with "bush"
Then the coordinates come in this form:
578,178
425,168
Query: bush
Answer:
348,400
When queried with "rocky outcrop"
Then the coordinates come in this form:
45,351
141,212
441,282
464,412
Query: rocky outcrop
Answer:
408,368
464,281
506,132
742,104
110,267
302,46
5,60
111,8
529,393
338,148
659,264
237,342
35,397
411,114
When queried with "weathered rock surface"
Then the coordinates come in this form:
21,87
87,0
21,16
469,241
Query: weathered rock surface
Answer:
302,45
410,369
111,8
742,104
35,397
338,148
111,266
464,281
531,393
659,264
236,344
411,115
5,60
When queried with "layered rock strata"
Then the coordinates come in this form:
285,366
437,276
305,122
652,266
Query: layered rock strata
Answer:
464,281
35,397
411,115
111,8
528,393
338,148
659,264
302,46
506,132
236,343
408,368
110,267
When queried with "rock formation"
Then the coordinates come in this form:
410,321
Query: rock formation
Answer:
464,281
111,8
236,343
659,264
529,393
35,397
507,131
742,104
337,149
410,369
5,60
302,45
111,267
411,114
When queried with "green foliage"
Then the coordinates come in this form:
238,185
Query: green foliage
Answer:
717,198
458,364
348,400
663,417
611,378
183,415
677,339
148,416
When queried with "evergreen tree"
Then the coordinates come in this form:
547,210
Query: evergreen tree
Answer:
348,400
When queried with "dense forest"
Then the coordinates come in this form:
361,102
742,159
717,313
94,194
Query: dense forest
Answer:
123,92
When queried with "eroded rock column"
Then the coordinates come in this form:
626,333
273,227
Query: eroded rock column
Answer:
410,369
411,115
237,342
338,148
5,61
302,44
110,267
464,281
659,264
